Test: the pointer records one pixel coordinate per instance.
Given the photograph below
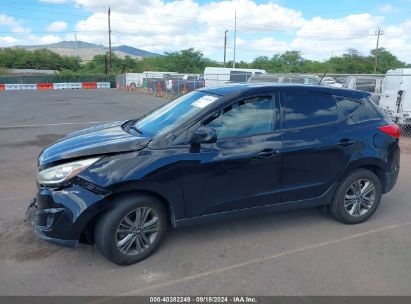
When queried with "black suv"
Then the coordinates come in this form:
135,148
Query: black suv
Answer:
213,154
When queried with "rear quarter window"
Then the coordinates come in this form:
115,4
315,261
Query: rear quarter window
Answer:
348,106
368,112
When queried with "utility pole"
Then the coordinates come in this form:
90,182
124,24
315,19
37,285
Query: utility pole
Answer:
225,45
109,36
105,64
235,35
378,33
75,37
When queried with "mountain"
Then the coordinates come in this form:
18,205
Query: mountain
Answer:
132,51
87,51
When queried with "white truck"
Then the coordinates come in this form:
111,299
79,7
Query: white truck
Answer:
368,83
395,97
218,76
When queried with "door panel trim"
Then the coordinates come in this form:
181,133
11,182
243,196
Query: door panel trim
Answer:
322,200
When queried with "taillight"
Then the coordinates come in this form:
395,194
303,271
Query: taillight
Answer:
392,130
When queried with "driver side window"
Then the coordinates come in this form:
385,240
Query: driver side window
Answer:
245,118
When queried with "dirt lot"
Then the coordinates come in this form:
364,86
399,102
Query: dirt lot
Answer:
304,252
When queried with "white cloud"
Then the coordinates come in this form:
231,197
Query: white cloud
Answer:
263,29
396,39
46,39
12,24
57,26
321,37
8,41
167,26
387,8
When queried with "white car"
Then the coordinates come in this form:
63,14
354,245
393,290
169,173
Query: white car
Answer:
329,81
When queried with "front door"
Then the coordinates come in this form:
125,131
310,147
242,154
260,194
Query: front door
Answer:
243,168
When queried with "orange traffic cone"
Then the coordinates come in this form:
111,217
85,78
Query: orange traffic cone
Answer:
158,89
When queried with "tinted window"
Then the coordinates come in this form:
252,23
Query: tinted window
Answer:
368,112
348,106
309,109
248,117
175,113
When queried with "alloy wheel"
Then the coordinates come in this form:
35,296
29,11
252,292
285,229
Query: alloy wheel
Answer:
137,231
359,197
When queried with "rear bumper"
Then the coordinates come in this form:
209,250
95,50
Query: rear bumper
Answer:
390,179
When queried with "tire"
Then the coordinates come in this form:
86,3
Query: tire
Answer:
119,234
342,207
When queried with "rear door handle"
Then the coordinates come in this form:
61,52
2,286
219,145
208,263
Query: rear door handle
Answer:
346,142
267,153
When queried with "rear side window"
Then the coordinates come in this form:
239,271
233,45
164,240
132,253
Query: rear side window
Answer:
309,109
368,112
348,106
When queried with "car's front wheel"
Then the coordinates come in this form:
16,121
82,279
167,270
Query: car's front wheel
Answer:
131,230
357,197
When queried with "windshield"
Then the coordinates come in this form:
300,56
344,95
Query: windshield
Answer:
175,113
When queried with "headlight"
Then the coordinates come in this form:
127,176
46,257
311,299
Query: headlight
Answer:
61,173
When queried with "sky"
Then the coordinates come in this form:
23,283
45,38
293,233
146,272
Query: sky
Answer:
319,29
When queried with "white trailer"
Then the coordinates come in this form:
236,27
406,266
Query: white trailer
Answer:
367,83
219,76
396,95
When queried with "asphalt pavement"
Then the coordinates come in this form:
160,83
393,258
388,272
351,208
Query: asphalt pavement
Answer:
303,252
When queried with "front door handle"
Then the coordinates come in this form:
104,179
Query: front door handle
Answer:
267,153
346,142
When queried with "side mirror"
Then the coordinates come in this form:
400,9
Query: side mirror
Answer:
203,134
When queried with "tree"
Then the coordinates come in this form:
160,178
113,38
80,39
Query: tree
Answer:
291,61
386,61
351,62
272,64
262,62
192,61
185,61
39,59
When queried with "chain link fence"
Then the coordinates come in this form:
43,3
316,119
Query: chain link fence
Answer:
56,78
162,84
391,92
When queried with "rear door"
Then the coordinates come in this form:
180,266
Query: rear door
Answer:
318,143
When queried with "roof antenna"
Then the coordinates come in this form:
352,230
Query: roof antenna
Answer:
322,78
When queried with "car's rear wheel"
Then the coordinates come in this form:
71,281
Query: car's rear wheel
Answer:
131,230
357,197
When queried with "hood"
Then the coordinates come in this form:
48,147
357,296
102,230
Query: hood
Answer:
97,140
